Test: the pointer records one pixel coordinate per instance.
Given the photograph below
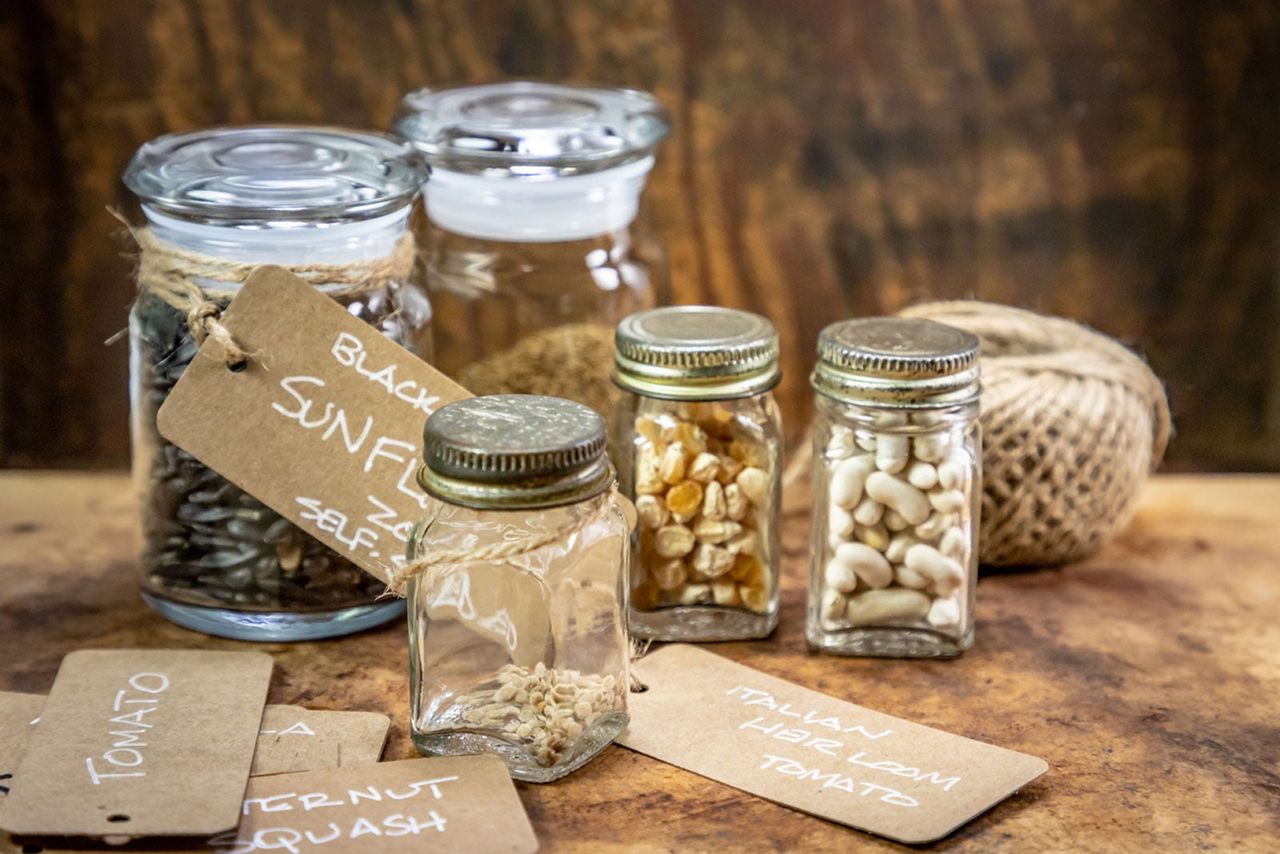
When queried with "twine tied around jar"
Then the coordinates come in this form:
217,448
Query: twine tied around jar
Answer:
174,275
507,551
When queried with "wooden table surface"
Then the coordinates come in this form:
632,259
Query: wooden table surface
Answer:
1148,677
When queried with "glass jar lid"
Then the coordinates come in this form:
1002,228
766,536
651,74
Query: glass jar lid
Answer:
696,352
254,174
514,451
524,129
897,360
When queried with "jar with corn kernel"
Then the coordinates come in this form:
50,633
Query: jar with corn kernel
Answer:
700,451
897,481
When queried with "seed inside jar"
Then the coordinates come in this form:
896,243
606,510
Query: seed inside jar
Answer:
898,536
704,489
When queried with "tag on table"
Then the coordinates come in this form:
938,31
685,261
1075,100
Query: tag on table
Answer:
141,743
324,425
442,804
295,739
813,753
18,714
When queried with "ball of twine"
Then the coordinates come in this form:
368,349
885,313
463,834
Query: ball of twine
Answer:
1072,424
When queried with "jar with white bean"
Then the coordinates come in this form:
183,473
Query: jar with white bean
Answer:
699,451
897,482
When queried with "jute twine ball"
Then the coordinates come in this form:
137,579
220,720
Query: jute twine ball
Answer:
1072,424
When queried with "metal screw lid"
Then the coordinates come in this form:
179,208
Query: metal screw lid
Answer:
513,451
696,352
267,172
898,360
529,130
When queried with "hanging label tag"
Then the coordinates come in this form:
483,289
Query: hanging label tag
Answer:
324,424
141,743
813,753
446,804
295,739
18,714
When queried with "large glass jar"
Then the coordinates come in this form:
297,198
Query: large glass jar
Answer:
333,206
517,598
533,246
699,449
896,489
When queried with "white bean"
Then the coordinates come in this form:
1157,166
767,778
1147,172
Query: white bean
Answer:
931,448
954,544
951,474
876,536
840,445
848,479
840,576
868,512
865,441
922,475
841,522
944,613
935,526
898,546
887,606
894,522
945,573
892,452
908,577
834,604
910,503
946,501
867,563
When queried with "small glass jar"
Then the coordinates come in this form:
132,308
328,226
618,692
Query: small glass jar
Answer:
517,594
533,242
896,488
331,205
699,448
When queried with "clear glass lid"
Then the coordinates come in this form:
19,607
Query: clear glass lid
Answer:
531,130
248,174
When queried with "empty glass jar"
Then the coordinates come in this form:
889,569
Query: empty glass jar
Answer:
331,205
534,249
896,489
517,622
699,448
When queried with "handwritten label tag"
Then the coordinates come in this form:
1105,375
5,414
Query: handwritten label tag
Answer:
295,739
18,714
813,753
464,803
324,425
141,743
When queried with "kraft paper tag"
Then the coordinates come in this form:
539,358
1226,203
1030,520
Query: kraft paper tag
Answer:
324,425
295,739
444,804
18,714
141,743
810,752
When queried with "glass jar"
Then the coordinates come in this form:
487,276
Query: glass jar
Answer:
700,451
517,622
896,489
331,205
534,250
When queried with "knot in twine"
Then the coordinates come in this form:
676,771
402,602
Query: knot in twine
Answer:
507,551
187,281
1072,424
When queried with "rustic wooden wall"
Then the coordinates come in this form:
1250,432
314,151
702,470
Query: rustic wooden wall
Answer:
1112,160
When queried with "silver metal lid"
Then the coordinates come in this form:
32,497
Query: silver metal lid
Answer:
531,130
263,173
696,352
897,360
514,451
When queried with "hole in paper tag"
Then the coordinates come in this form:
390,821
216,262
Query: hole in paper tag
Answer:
141,743
813,753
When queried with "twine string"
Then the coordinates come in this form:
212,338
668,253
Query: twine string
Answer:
181,278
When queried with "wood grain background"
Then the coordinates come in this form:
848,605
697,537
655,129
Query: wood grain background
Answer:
1115,161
